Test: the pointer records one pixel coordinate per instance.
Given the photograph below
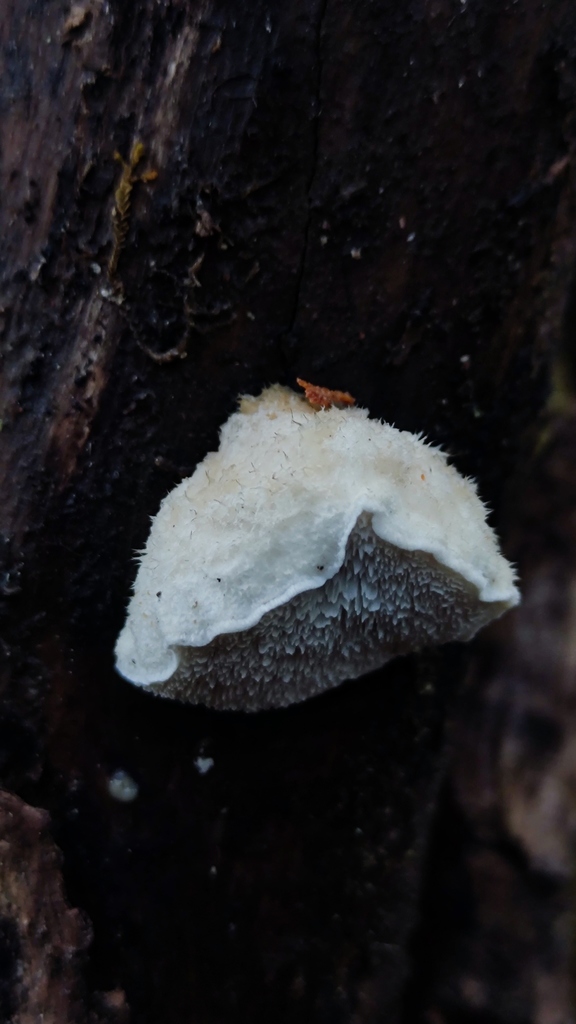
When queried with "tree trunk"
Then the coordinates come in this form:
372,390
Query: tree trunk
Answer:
373,196
497,936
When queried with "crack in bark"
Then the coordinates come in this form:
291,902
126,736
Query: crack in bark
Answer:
314,163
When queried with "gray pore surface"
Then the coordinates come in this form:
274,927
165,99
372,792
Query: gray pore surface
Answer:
382,602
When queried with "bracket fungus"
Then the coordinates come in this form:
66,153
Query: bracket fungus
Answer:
312,547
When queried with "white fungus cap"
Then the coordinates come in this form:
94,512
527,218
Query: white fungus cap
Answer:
312,547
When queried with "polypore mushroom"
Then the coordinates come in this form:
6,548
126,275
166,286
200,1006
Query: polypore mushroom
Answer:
312,547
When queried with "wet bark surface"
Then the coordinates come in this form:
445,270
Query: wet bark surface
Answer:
374,197
498,939
41,939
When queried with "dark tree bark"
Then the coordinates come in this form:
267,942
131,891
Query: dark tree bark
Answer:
498,938
374,196
41,938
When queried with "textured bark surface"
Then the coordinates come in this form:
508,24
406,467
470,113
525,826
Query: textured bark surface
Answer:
373,196
41,939
498,943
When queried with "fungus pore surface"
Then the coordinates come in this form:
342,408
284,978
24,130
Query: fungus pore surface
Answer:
312,547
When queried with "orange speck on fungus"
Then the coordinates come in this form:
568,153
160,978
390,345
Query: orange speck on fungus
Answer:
324,398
